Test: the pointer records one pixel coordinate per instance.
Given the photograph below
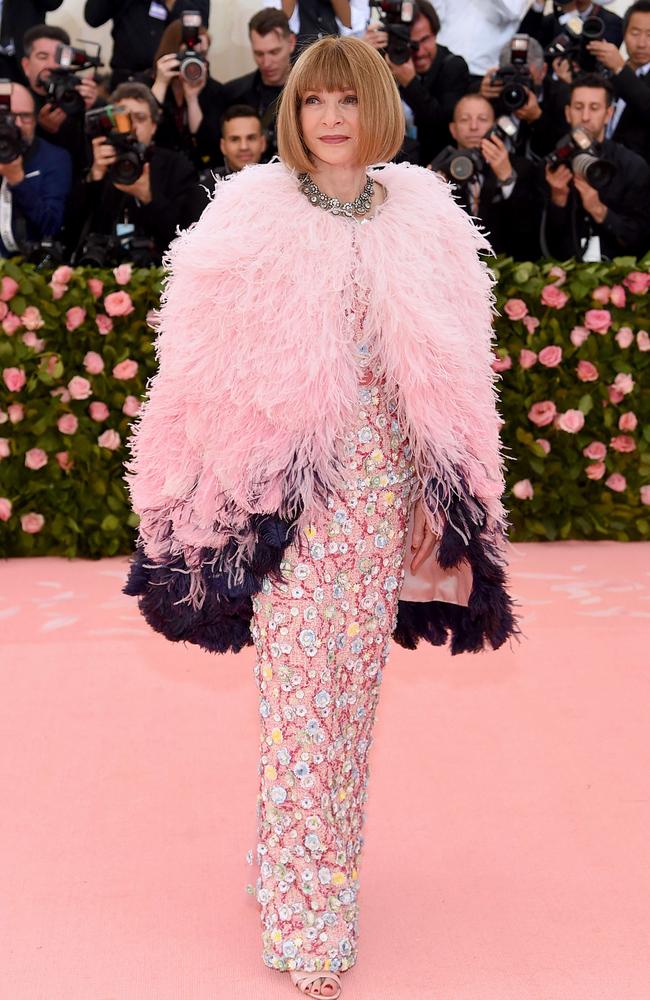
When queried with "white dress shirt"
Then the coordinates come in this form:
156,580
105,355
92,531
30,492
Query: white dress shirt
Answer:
619,104
477,30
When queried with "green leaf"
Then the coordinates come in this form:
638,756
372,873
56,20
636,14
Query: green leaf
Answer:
586,403
110,523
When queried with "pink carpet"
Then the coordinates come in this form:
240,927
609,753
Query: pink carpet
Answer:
507,848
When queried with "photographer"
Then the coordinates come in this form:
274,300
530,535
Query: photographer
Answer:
149,208
191,102
54,123
36,180
630,121
546,27
242,142
589,222
522,88
138,26
430,82
500,192
272,44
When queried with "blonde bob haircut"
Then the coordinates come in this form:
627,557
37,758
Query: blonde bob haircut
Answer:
338,63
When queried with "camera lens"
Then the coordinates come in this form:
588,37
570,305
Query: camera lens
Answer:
126,169
514,96
192,69
596,172
461,167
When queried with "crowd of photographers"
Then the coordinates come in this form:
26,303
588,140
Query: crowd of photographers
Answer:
538,120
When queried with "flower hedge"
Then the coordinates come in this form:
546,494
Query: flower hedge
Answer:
76,351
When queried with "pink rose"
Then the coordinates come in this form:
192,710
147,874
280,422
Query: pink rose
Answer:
35,458
615,395
527,358
16,412
5,508
5,449
67,423
601,295
550,356
95,287
595,471
132,405
624,382
515,309
523,490
558,273
578,335
123,274
498,365
624,337
623,442
126,369
598,320
98,411
637,281
643,340
586,371
617,296
627,421
4,309
118,304
616,482
62,275
531,323
64,460
9,288
544,445
109,439
32,523
32,319
58,291
542,414
52,362
596,450
93,363
62,393
11,323
571,421
79,387
104,323
14,378
30,339
74,317
644,494
554,297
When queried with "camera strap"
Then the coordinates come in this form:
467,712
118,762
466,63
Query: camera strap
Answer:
6,210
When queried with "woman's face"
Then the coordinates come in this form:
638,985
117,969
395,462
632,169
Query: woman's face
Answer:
330,126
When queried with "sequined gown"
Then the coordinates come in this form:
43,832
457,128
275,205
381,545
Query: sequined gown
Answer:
322,640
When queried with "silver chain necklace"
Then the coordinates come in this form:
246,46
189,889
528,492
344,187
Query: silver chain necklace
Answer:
359,206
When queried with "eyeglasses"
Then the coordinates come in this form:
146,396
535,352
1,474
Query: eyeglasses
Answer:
140,117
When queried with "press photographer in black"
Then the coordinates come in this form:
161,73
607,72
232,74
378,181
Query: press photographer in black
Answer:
61,95
242,142
35,176
522,87
135,193
430,78
597,191
546,27
492,184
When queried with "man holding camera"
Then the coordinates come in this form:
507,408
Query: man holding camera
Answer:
430,82
546,27
149,208
35,176
580,219
500,191
41,44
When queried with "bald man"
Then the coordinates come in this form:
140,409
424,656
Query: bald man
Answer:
35,180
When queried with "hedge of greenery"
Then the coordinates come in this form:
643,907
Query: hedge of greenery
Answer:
76,351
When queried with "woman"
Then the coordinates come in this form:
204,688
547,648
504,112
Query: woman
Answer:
324,404
190,109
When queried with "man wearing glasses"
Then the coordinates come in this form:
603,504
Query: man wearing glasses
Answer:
35,183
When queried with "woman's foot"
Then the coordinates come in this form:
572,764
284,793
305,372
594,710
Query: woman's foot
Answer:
326,985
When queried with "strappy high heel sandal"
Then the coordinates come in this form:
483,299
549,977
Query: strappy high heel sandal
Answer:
306,983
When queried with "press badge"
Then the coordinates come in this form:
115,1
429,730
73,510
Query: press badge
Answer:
124,229
158,10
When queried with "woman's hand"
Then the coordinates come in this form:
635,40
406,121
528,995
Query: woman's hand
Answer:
423,538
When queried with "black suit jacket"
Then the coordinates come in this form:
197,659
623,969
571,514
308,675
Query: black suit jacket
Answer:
546,27
633,129
432,98
18,16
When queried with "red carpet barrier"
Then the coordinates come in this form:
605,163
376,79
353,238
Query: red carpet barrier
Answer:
76,350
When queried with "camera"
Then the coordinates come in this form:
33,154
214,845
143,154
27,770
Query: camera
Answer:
572,43
396,18
46,253
62,84
12,144
193,66
580,153
108,250
115,125
515,76
461,165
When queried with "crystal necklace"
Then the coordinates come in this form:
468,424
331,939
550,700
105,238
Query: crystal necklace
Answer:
359,206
